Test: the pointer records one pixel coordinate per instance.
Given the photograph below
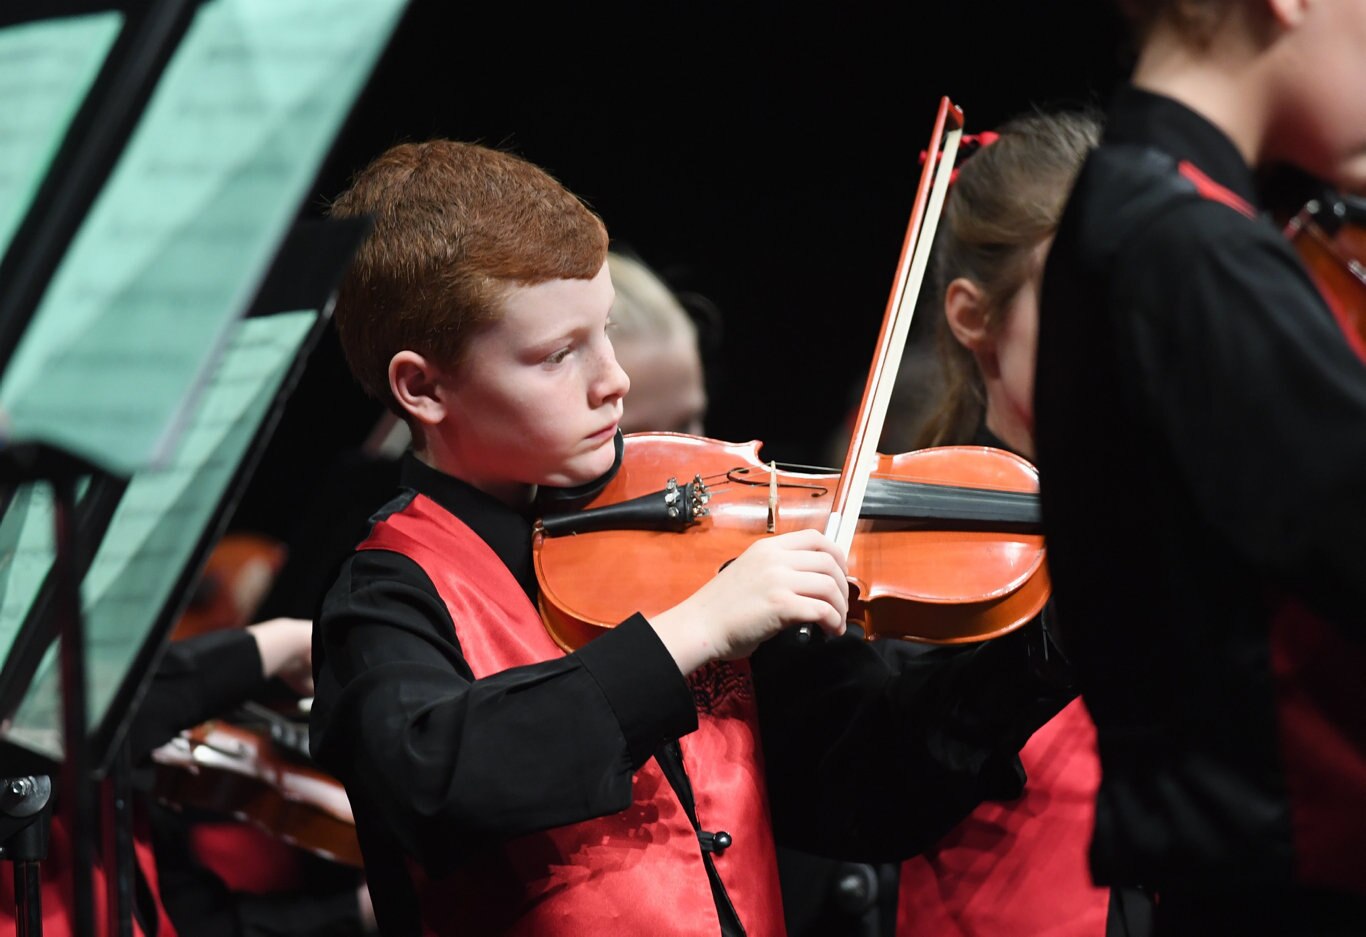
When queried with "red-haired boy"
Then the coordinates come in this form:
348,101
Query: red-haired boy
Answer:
501,785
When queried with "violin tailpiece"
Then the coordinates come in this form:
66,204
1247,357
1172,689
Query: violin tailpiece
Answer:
675,507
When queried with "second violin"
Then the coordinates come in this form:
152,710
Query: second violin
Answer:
234,770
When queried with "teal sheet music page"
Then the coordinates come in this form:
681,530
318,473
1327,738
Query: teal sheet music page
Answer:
26,555
182,233
158,523
46,70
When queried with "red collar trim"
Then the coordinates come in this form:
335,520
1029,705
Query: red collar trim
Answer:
1212,190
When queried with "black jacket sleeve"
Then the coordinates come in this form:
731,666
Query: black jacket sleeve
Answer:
197,679
445,762
876,749
1259,395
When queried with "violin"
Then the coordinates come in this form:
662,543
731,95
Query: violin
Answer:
939,542
1329,234
263,779
948,548
253,765
235,579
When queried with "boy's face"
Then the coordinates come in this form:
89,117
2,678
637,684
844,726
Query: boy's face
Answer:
537,398
1323,110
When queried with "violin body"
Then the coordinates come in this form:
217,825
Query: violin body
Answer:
235,579
924,581
228,769
1330,237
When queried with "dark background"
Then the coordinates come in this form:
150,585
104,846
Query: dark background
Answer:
763,158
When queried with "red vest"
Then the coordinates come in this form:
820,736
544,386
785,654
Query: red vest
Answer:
1018,867
639,871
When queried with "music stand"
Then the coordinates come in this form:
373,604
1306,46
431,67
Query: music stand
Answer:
140,283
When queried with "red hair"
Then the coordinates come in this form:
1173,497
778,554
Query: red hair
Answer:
456,225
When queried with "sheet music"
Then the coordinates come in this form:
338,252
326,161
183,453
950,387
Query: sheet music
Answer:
159,521
26,555
46,69
181,235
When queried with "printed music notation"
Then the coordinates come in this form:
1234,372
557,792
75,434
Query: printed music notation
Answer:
185,227
46,70
153,532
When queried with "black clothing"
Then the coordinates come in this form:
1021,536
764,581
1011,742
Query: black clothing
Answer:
869,750
198,679
195,680
1215,526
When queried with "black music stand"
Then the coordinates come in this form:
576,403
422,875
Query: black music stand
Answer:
163,62
139,41
199,513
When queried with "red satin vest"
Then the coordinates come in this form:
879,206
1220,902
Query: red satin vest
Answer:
1018,868
639,871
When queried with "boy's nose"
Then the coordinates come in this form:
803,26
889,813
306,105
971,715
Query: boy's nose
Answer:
612,382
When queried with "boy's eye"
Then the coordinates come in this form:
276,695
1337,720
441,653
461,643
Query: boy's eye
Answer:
557,357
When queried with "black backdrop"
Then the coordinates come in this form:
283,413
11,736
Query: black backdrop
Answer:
761,157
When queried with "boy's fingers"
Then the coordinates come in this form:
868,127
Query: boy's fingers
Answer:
827,618
831,590
819,599
816,561
813,541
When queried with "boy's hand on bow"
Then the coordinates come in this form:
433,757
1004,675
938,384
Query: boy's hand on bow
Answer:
790,579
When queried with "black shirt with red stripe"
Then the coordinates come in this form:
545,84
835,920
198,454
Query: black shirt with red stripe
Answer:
1201,426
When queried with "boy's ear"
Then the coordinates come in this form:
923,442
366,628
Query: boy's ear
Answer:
965,311
1288,13
415,383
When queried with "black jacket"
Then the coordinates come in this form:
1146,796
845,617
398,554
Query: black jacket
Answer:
1201,426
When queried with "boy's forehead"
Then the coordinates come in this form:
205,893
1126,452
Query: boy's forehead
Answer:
556,304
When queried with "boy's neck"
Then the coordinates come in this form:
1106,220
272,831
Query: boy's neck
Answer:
516,495
1222,83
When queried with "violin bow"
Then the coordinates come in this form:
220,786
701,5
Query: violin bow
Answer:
861,456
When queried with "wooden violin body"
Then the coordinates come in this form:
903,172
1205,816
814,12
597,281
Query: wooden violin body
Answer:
243,773
926,579
648,542
253,764
235,579
1330,236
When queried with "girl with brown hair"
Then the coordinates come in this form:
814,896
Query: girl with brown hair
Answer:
1015,867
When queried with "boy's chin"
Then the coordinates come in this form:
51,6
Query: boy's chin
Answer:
588,467
1350,176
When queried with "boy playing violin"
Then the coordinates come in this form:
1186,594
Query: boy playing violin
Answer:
499,783
1207,543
